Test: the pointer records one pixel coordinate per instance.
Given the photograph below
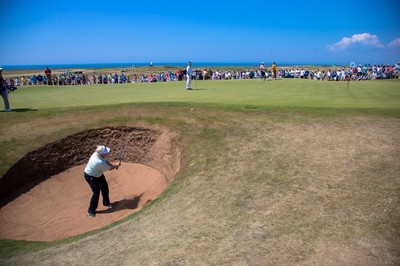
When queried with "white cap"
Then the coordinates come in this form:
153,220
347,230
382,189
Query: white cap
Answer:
102,150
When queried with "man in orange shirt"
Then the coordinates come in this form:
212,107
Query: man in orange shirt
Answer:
274,69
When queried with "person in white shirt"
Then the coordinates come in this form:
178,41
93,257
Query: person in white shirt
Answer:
359,71
343,75
262,71
318,75
302,73
189,76
97,181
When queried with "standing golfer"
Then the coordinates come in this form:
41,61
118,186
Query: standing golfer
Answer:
189,76
262,71
97,181
4,91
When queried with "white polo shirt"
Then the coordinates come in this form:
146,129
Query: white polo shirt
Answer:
96,165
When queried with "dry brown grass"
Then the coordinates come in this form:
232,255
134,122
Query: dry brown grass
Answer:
256,190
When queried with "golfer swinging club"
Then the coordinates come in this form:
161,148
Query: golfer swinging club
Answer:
189,76
97,181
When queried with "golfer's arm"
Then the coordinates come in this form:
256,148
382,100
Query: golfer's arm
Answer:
113,166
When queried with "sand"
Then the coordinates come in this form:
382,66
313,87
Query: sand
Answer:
56,208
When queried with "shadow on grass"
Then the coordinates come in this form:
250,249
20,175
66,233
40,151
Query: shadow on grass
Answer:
22,110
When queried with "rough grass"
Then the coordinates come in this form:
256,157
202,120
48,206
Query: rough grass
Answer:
259,185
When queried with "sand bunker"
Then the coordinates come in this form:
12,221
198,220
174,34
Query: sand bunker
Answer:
54,207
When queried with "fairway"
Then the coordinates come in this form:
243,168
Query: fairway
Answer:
279,93
285,172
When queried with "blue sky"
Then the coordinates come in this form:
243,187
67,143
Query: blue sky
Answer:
316,32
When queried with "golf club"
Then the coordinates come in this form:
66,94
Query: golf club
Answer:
124,148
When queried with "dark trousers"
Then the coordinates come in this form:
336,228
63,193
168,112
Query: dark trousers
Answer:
97,184
4,94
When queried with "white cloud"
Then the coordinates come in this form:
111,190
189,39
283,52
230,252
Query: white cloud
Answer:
394,43
363,38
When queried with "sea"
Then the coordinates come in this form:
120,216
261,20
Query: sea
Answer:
129,65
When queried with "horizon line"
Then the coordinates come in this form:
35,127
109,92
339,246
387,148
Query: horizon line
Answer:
158,64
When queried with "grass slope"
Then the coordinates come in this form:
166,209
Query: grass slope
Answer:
268,175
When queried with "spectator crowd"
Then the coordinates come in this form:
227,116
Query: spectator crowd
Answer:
366,72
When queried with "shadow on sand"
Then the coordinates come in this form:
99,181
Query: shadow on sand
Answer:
123,205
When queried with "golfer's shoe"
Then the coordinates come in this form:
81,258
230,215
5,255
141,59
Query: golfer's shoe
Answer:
91,215
110,206
188,89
